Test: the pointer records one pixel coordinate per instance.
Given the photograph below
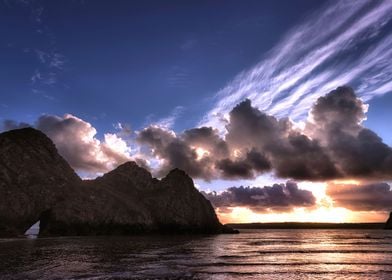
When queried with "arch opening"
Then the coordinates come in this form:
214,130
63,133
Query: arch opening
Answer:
33,231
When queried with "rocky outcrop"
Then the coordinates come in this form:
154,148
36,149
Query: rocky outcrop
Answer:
388,224
39,185
33,178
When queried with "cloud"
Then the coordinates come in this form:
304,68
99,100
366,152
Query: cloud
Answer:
291,154
175,151
76,141
279,197
336,120
11,124
333,144
254,163
48,71
169,121
313,58
368,197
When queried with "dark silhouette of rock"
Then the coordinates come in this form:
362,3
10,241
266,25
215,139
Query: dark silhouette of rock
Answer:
40,185
388,224
33,178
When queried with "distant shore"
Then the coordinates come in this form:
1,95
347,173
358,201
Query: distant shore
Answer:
299,225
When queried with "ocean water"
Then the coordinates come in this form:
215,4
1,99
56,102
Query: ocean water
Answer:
253,254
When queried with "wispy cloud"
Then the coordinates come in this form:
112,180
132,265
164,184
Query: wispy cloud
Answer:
346,42
169,121
51,59
50,62
47,73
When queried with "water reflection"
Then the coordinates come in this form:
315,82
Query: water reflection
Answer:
268,254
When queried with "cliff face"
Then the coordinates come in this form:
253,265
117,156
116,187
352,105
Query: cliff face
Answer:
33,178
38,184
388,224
128,200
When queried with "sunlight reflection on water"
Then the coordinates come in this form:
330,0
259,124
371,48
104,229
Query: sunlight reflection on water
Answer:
253,254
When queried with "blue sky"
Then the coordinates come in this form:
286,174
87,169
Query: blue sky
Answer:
132,61
184,64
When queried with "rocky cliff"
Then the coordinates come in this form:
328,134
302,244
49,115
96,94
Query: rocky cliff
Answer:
33,178
36,183
388,224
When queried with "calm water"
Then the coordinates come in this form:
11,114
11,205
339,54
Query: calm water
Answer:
256,254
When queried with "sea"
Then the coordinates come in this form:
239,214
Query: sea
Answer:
252,254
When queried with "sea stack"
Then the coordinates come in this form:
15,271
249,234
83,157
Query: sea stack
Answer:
36,183
388,224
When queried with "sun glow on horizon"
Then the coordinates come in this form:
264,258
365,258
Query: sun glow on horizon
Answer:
318,215
324,211
321,214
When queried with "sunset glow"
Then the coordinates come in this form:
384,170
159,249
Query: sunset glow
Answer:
324,211
318,215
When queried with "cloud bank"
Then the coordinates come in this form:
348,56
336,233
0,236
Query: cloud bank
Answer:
333,144
279,197
313,58
367,197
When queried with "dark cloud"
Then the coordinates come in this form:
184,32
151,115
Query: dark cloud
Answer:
249,127
334,144
356,151
179,152
302,158
206,138
279,197
201,152
234,169
339,110
291,153
10,124
369,197
253,164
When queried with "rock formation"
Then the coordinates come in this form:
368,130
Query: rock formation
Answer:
388,224
36,183
33,178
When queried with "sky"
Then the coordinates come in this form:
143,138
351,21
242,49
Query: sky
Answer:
279,110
